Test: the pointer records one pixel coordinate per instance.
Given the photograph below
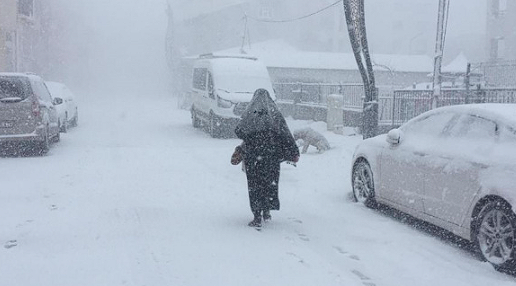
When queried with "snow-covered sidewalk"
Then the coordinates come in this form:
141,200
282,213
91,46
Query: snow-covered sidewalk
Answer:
136,196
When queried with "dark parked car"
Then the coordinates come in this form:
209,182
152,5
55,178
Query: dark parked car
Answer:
27,113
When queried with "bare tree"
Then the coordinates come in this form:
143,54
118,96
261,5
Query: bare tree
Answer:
355,20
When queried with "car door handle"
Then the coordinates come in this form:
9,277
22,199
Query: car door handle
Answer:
420,154
479,165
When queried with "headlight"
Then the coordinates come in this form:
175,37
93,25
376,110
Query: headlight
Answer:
224,103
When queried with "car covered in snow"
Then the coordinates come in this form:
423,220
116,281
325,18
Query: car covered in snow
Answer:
27,113
222,87
65,103
454,167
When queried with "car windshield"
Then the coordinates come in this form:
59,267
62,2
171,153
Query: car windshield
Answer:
13,87
55,89
431,126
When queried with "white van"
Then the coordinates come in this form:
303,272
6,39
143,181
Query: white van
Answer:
222,88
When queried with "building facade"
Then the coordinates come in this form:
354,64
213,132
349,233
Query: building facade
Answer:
500,68
22,35
501,39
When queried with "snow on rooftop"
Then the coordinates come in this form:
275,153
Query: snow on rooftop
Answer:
192,9
458,65
277,53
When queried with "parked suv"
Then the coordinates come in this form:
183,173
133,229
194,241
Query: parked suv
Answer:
27,113
222,87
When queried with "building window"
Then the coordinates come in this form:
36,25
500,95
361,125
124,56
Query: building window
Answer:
501,48
26,7
499,7
497,50
266,9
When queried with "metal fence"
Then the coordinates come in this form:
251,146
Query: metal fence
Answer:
496,73
317,93
395,107
407,104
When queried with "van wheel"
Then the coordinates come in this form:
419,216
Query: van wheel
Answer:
213,126
195,121
75,120
56,137
64,125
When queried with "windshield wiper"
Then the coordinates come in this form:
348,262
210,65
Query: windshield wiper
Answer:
11,99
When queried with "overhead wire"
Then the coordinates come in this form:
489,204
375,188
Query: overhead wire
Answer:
295,19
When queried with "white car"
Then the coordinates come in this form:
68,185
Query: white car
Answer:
65,104
222,87
454,167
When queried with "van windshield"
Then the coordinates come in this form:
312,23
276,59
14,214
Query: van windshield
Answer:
242,83
13,87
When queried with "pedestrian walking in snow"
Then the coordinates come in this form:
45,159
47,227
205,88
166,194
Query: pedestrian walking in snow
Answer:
267,142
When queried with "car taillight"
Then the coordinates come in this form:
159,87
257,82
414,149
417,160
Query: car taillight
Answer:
36,109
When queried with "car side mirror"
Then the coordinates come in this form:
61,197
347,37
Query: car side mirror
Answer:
394,136
57,101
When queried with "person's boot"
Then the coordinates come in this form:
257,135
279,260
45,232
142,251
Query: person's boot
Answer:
266,215
257,221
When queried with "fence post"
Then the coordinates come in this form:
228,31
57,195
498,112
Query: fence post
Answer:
466,82
393,106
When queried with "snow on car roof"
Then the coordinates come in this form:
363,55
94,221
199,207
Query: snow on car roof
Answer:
500,112
17,74
238,66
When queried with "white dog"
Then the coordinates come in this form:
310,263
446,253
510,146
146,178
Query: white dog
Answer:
311,137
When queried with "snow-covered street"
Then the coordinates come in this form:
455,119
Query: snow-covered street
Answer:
136,196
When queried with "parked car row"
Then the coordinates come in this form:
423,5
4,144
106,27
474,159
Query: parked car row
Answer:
454,167
30,114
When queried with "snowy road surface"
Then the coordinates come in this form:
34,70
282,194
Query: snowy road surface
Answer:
136,196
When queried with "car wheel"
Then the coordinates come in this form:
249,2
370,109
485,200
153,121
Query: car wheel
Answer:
213,126
363,184
44,146
195,120
64,125
494,234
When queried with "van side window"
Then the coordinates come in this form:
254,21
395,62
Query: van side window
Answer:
199,78
211,92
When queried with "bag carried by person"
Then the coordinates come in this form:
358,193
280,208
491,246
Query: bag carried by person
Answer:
237,156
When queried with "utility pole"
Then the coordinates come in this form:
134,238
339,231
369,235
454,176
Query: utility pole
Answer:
355,20
439,50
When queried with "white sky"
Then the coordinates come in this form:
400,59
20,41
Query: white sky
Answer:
126,37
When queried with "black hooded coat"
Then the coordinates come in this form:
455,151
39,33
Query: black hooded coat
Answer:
267,143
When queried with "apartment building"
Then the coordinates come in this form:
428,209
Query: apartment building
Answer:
21,35
501,39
